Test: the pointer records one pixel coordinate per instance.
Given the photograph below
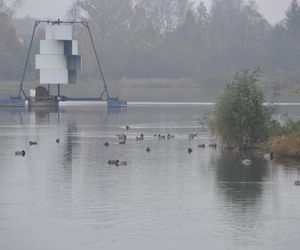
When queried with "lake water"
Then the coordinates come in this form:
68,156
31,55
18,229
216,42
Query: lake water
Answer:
65,196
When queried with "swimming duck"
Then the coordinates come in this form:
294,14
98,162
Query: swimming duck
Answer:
161,137
22,152
148,149
121,137
170,136
57,140
190,150
32,143
201,145
106,144
192,136
113,162
246,162
268,156
213,145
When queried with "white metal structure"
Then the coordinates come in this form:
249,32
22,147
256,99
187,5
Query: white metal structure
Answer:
58,60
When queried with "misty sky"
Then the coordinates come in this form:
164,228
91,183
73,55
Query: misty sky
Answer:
273,10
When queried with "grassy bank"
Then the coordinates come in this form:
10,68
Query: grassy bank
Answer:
286,142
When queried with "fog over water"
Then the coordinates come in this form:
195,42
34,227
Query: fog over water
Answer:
66,196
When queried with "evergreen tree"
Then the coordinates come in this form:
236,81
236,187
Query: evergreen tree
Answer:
292,19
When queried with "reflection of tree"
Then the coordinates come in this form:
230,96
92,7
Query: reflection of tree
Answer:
240,184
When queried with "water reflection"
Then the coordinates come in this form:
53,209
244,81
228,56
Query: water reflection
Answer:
240,184
43,114
70,146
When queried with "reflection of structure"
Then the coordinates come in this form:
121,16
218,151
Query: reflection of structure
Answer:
72,128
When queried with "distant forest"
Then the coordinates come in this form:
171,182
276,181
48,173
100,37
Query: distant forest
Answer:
174,39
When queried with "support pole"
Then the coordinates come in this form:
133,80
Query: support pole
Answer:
98,61
27,59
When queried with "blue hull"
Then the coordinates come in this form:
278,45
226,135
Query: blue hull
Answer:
116,103
12,102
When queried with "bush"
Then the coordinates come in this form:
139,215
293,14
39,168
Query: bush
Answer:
240,118
286,142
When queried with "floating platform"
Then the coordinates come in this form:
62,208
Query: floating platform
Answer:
12,102
43,102
116,103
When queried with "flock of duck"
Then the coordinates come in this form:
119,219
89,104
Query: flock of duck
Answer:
31,143
122,140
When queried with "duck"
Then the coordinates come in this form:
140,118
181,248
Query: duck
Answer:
297,182
122,142
57,140
161,137
106,144
113,162
148,149
268,156
246,162
121,137
127,127
192,136
201,145
190,150
213,145
22,152
32,143
170,136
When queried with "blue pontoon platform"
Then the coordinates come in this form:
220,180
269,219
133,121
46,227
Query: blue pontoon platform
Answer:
116,103
12,102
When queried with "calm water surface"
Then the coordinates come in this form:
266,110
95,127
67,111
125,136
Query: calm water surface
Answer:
65,196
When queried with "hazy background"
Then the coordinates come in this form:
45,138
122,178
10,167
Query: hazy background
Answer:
169,44
58,8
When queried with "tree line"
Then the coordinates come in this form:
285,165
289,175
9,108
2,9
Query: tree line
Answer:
173,39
